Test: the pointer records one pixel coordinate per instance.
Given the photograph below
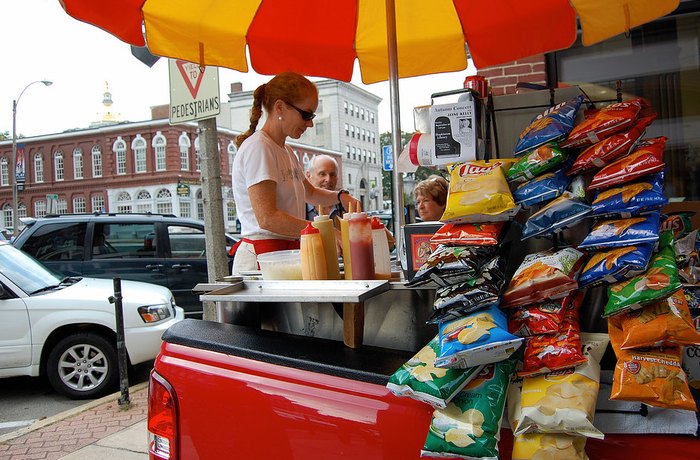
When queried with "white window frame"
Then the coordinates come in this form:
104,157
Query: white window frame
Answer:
185,144
96,161
59,173
138,146
38,168
78,169
119,148
79,205
159,144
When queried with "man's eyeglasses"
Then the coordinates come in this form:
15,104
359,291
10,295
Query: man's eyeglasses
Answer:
305,115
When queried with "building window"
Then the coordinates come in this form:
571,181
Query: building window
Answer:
352,110
345,106
119,148
159,147
39,208
38,168
58,166
21,212
347,151
184,143
371,117
230,212
352,131
374,140
164,202
185,207
197,159
7,216
349,178
98,203
320,128
354,153
362,114
139,148
62,206
124,202
79,204
144,202
4,173
96,161
347,129
78,164
364,135
200,205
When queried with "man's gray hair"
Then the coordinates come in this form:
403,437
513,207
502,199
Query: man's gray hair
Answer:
312,162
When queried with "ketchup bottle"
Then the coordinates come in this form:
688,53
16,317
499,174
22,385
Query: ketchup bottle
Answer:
313,258
361,251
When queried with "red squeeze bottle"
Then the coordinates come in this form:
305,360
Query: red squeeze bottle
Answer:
361,251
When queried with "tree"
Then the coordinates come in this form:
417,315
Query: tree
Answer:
5,136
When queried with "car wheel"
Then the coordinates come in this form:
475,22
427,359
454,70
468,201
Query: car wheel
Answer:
83,366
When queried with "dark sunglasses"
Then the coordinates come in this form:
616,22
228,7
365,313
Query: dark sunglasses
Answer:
305,115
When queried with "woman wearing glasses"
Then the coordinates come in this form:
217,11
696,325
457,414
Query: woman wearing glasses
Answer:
269,185
431,197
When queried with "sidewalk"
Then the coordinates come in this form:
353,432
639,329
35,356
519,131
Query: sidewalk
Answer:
98,430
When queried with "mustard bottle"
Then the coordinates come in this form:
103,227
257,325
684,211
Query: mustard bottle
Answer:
325,225
345,236
313,259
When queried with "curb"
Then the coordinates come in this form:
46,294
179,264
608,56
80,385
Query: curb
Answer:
69,413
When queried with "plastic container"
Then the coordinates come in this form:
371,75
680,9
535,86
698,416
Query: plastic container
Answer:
345,238
325,225
281,265
361,252
313,256
380,250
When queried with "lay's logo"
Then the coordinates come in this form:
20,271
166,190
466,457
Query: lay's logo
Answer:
475,169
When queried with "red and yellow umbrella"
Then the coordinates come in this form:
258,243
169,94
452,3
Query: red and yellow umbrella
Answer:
323,38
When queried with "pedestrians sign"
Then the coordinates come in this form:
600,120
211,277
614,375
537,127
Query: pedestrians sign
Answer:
194,91
388,158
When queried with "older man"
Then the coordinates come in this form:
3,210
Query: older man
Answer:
323,172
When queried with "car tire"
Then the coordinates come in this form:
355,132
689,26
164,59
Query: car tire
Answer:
83,366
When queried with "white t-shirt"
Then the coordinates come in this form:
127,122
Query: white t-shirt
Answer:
260,159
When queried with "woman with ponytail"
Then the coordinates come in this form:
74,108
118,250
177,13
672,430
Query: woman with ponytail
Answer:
269,185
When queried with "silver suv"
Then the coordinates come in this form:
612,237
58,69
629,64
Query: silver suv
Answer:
155,248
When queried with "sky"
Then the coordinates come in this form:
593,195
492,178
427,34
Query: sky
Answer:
41,42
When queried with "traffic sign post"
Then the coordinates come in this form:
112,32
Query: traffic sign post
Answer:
194,91
388,157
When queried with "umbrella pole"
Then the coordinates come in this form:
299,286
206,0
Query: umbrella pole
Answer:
397,189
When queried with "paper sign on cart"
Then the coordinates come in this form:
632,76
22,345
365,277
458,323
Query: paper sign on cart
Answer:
454,132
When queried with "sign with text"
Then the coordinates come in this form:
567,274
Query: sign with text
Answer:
194,91
388,158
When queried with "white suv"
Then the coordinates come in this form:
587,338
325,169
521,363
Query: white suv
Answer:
65,328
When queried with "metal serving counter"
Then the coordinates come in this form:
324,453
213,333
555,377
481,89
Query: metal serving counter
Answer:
379,313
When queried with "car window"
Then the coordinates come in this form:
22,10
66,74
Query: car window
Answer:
59,241
124,241
186,242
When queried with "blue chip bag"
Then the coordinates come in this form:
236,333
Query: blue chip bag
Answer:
623,232
543,188
553,124
561,213
480,337
631,199
616,264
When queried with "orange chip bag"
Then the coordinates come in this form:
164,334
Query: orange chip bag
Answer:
604,123
650,375
664,323
479,192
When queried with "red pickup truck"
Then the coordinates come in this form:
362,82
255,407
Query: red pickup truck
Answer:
227,391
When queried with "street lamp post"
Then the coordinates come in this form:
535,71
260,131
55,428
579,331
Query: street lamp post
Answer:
15,216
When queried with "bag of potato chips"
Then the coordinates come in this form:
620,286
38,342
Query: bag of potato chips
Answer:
653,376
663,323
419,379
481,337
623,232
614,265
631,199
479,193
551,125
549,447
470,425
646,159
535,162
564,401
604,123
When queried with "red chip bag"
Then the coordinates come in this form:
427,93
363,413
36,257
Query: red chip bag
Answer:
604,123
610,149
549,274
548,353
664,323
467,234
542,318
646,159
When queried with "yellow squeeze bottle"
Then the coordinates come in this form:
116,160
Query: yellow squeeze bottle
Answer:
345,236
313,260
325,225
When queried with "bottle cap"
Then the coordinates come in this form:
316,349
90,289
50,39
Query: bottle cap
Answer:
321,218
310,229
376,224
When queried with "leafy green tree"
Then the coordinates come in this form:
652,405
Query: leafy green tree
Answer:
5,136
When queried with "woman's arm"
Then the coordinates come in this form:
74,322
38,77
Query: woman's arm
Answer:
263,198
316,195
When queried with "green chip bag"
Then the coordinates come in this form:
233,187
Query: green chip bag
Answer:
421,380
536,162
658,282
469,427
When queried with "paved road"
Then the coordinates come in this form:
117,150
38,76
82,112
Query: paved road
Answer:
23,400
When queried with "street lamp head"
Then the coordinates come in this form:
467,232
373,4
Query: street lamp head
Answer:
47,82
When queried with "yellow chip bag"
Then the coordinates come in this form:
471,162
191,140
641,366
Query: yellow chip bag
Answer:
563,402
479,192
549,447
650,375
